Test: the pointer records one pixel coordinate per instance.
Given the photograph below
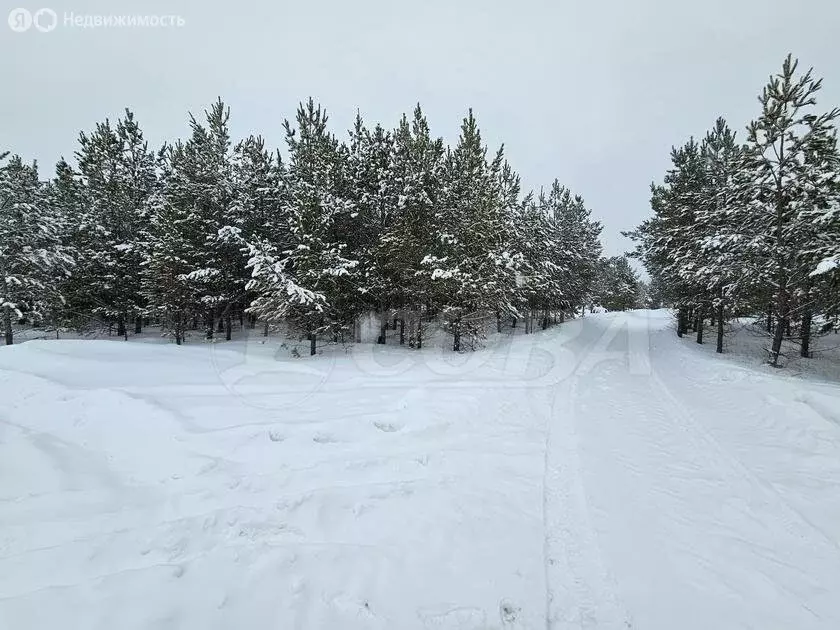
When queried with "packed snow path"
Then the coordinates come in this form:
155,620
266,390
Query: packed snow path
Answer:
600,475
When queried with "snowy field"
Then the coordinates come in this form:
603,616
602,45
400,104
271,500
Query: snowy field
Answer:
602,474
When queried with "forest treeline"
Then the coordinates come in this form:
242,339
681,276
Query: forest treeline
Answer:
204,234
752,228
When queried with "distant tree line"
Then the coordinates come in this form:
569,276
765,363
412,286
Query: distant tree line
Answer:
204,234
753,228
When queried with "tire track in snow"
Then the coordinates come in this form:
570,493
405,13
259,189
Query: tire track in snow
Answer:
683,518
580,593
704,434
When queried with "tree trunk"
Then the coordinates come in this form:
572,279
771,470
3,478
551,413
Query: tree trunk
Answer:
138,324
209,323
770,317
719,348
265,330
782,316
383,326
680,322
121,332
562,316
252,321
498,322
228,327
699,325
805,325
220,325
805,352
781,274
513,322
402,331
778,334
312,350
7,325
419,331
456,344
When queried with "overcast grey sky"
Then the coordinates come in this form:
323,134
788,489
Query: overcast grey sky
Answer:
593,93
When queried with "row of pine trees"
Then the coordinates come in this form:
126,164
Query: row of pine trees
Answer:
205,234
752,228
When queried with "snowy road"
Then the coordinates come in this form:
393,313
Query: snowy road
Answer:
709,495
601,475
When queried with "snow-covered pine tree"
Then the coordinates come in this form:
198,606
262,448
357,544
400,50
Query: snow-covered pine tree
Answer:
259,187
32,259
416,171
304,281
66,200
468,268
789,156
818,294
577,248
619,284
535,238
720,271
824,280
171,296
512,257
668,243
117,173
198,197
374,193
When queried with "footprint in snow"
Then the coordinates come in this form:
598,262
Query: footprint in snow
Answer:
324,438
387,427
509,614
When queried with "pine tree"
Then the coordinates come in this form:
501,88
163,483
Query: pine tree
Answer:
375,196
32,261
259,188
206,269
619,286
791,160
172,257
469,267
305,283
535,239
117,173
416,171
752,229
66,201
577,249
668,243
720,272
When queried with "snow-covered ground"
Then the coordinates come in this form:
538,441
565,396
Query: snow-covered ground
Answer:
602,474
747,342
